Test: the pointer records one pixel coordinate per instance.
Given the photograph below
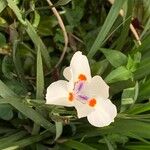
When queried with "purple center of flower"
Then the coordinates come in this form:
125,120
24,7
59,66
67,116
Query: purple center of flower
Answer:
83,97
79,94
78,88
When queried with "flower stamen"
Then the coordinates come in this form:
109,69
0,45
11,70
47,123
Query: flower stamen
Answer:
82,77
92,102
70,97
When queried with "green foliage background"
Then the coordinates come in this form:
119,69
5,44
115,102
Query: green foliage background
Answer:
31,43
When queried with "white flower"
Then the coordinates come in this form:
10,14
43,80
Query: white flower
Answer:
88,95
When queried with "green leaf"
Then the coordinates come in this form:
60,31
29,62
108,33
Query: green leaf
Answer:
115,57
143,69
128,126
2,40
30,113
5,130
17,61
31,32
111,18
115,138
138,137
46,25
126,26
4,142
144,91
134,62
17,87
144,47
146,28
7,67
40,146
139,108
6,112
27,141
137,146
129,96
5,92
75,15
78,145
12,4
109,145
59,129
39,85
121,85
99,67
125,127
3,4
36,20
119,74
38,43
62,2
39,76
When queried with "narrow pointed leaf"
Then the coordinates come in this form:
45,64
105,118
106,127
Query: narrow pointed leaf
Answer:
111,18
116,58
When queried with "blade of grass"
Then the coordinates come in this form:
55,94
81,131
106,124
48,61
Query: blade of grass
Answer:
146,18
138,137
146,28
137,146
4,130
4,142
119,86
142,70
39,84
121,126
27,141
145,45
30,113
126,26
61,2
78,145
39,76
144,92
5,92
112,16
31,32
139,108
38,43
59,128
17,62
3,4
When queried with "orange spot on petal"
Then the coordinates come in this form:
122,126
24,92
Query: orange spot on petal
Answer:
82,77
92,102
70,96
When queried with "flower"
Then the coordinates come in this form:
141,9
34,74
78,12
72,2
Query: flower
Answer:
88,95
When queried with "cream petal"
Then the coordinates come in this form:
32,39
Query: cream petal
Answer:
80,65
57,94
82,109
67,73
109,107
97,87
103,115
